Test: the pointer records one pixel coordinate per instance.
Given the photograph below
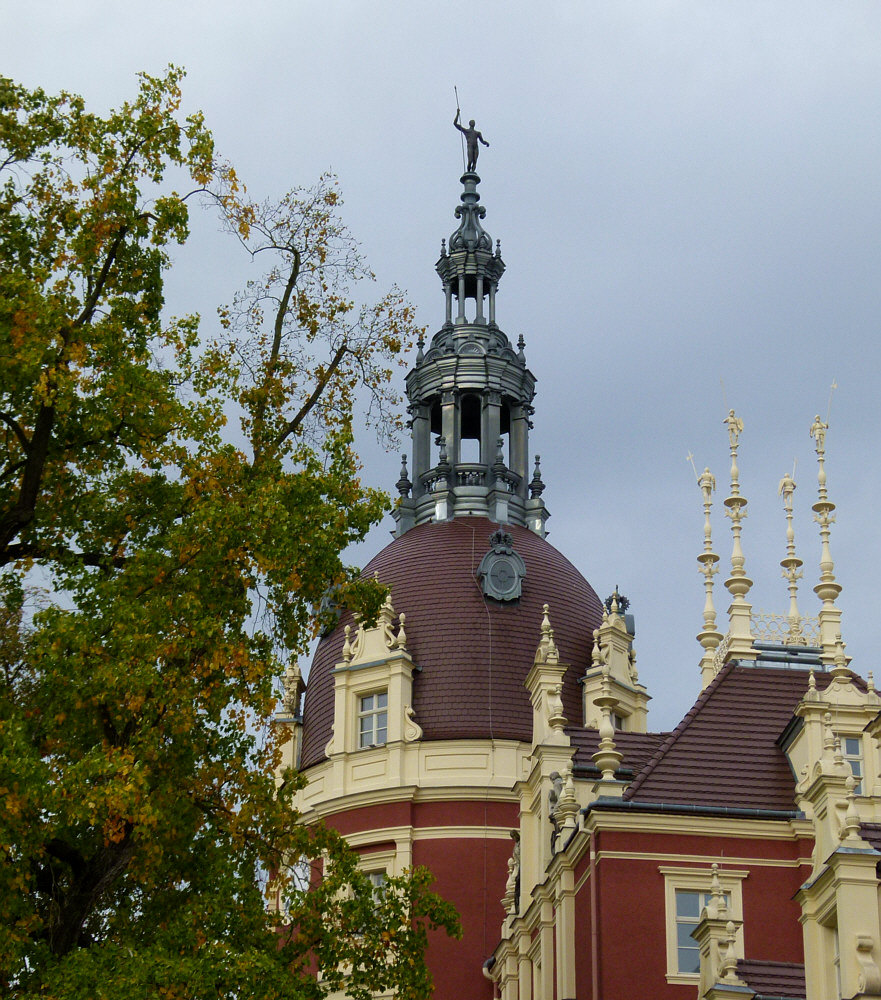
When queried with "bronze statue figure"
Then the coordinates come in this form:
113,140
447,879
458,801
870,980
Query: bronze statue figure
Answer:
472,136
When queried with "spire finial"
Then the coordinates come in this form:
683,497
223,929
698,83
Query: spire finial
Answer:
791,565
403,485
547,650
840,671
850,830
738,584
710,636
536,485
827,589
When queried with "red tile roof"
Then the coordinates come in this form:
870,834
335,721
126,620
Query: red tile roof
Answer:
773,979
474,654
872,833
724,752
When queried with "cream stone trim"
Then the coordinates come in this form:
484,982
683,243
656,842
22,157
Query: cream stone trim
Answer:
744,828
386,861
382,835
697,859
702,859
698,879
428,770
410,793
462,832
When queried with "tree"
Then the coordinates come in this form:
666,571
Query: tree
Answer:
171,513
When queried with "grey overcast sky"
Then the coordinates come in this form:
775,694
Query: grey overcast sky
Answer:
689,204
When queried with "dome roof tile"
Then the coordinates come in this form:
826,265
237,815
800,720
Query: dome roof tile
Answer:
473,653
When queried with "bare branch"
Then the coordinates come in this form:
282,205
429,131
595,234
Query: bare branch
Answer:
292,425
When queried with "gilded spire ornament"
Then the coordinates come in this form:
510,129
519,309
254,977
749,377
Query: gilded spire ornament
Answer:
827,589
791,565
710,637
738,584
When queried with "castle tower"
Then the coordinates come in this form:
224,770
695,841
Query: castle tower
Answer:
415,733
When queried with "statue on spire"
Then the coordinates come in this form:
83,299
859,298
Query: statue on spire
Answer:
472,136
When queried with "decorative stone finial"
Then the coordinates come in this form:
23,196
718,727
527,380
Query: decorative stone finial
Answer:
547,650
401,641
403,485
738,584
293,687
709,637
567,804
791,565
556,719
442,452
827,589
850,830
728,967
347,645
840,671
536,486
717,908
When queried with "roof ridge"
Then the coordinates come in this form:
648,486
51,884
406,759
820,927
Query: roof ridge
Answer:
686,721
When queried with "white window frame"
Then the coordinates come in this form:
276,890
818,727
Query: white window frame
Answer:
374,713
855,757
698,879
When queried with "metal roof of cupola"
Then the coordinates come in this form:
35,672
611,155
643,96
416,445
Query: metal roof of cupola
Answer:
470,397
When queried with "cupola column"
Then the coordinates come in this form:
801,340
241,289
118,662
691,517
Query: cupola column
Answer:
448,292
491,427
460,318
519,457
421,430
492,303
479,317
450,424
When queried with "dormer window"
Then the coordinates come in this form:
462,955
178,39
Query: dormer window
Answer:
373,719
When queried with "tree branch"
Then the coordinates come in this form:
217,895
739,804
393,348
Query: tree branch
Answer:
293,425
16,429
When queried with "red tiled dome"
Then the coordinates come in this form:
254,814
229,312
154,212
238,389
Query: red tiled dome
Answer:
474,654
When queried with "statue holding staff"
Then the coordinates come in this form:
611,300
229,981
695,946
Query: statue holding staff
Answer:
472,137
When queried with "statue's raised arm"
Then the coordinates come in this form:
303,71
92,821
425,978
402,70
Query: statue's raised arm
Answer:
472,137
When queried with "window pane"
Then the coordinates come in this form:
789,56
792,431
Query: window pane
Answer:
683,935
687,904
382,699
689,960
851,746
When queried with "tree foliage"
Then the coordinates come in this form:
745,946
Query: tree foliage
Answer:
171,512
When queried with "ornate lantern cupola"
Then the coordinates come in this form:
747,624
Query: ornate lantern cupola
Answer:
470,397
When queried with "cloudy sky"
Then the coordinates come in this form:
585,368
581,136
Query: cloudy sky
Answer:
689,203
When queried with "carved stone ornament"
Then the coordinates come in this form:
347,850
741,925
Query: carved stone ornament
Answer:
412,729
502,570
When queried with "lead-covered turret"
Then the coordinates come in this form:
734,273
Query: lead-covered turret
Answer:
470,396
